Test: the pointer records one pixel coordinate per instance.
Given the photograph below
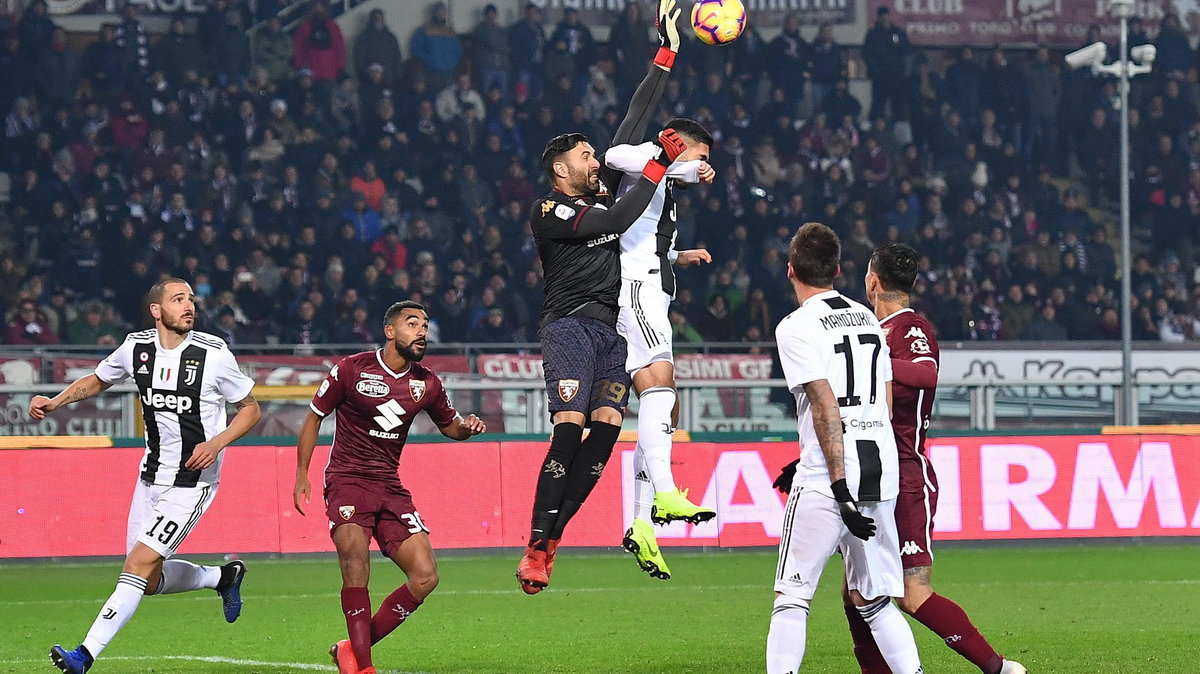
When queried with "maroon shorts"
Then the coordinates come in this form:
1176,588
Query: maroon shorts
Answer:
384,510
914,527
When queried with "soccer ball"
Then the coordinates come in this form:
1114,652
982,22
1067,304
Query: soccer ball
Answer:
718,21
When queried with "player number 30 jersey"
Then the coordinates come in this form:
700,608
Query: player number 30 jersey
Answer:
833,338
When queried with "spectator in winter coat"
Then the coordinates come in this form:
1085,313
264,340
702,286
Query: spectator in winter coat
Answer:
274,50
319,44
493,54
377,44
437,48
29,326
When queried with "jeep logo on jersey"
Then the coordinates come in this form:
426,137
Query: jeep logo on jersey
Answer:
372,389
167,402
567,388
417,389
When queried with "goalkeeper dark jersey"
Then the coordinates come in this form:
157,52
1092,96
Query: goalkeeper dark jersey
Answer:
578,240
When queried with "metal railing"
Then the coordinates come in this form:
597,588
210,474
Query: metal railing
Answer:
707,406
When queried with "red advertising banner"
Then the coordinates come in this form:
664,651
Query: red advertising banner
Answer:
64,503
1011,22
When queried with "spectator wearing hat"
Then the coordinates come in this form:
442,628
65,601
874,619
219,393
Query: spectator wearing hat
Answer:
437,48
377,44
884,49
274,49
319,45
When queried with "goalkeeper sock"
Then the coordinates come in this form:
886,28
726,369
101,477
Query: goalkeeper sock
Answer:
654,435
585,472
117,611
552,482
950,622
870,660
356,605
643,490
892,635
787,635
180,575
392,613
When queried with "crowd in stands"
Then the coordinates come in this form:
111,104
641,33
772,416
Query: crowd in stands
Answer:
302,187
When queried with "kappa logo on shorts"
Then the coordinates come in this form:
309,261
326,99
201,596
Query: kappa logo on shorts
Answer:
346,512
417,389
567,389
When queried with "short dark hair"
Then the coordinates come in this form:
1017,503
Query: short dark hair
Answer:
557,147
896,265
691,130
396,309
814,254
155,296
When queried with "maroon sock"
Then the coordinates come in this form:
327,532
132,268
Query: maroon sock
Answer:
393,612
356,604
951,623
865,651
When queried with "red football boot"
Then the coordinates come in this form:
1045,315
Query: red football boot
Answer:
343,656
551,548
531,571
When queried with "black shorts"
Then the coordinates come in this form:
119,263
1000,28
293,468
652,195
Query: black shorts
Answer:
584,361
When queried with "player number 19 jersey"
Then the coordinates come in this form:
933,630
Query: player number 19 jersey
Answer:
839,340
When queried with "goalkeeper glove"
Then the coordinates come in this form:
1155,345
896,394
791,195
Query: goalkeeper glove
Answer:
668,34
859,524
670,146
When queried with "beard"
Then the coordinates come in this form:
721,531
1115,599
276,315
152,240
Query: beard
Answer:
180,326
584,183
412,352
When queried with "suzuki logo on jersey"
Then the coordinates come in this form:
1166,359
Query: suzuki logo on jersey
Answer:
372,389
190,369
389,415
910,548
417,389
601,240
167,402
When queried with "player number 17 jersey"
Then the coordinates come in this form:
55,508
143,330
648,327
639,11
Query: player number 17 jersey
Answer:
839,340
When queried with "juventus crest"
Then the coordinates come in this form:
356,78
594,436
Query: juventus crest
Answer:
190,369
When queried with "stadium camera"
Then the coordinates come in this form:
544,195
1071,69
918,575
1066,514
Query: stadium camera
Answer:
1144,53
1088,57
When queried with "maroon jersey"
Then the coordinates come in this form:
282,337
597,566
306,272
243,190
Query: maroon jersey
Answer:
375,408
911,338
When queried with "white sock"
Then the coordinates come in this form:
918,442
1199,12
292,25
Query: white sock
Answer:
892,635
117,611
180,575
786,639
654,434
643,491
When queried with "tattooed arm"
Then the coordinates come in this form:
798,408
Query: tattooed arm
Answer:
827,421
81,389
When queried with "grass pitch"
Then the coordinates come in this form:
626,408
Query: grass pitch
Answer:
1074,609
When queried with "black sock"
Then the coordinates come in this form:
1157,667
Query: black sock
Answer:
552,481
585,472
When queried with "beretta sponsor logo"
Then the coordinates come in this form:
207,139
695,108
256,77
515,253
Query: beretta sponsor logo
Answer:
373,389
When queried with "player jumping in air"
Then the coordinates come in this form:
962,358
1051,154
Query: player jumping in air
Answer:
836,363
184,378
376,395
577,227
914,350
647,288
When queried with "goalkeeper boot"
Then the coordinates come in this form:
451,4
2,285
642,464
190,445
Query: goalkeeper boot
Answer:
1010,667
230,589
551,549
531,571
671,506
343,656
75,661
640,541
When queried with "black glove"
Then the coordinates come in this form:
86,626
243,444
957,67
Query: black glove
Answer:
786,474
859,524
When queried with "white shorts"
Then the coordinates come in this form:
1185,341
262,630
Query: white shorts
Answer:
813,531
160,517
643,323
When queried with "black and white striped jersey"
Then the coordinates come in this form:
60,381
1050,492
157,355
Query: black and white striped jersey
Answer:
648,246
183,392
